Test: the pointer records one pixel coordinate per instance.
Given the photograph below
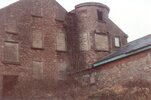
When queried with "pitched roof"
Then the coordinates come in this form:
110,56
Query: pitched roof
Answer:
135,46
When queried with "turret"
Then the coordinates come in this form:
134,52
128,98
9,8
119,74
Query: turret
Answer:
91,28
95,35
92,19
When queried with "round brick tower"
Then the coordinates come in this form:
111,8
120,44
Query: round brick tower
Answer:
91,27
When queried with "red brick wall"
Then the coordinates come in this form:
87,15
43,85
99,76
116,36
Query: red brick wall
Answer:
46,18
27,20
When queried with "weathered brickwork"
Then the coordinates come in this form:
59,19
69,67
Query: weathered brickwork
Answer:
47,53
28,48
126,79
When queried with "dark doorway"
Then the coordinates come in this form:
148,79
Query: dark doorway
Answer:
9,83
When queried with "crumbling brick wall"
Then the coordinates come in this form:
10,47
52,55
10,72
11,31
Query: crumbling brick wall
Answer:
41,44
128,78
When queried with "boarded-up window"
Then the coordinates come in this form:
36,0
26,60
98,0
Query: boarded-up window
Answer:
117,42
11,53
101,42
84,40
37,8
37,70
11,26
37,39
61,42
9,83
62,66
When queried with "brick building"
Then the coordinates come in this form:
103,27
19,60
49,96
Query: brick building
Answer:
47,53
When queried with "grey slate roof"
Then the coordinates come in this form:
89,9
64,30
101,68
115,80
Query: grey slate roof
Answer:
130,47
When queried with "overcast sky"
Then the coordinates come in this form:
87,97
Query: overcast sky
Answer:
132,16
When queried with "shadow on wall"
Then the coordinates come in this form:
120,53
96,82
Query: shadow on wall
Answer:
132,90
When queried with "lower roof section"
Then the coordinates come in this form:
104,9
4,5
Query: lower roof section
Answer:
131,48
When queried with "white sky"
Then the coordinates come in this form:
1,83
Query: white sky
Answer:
132,16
